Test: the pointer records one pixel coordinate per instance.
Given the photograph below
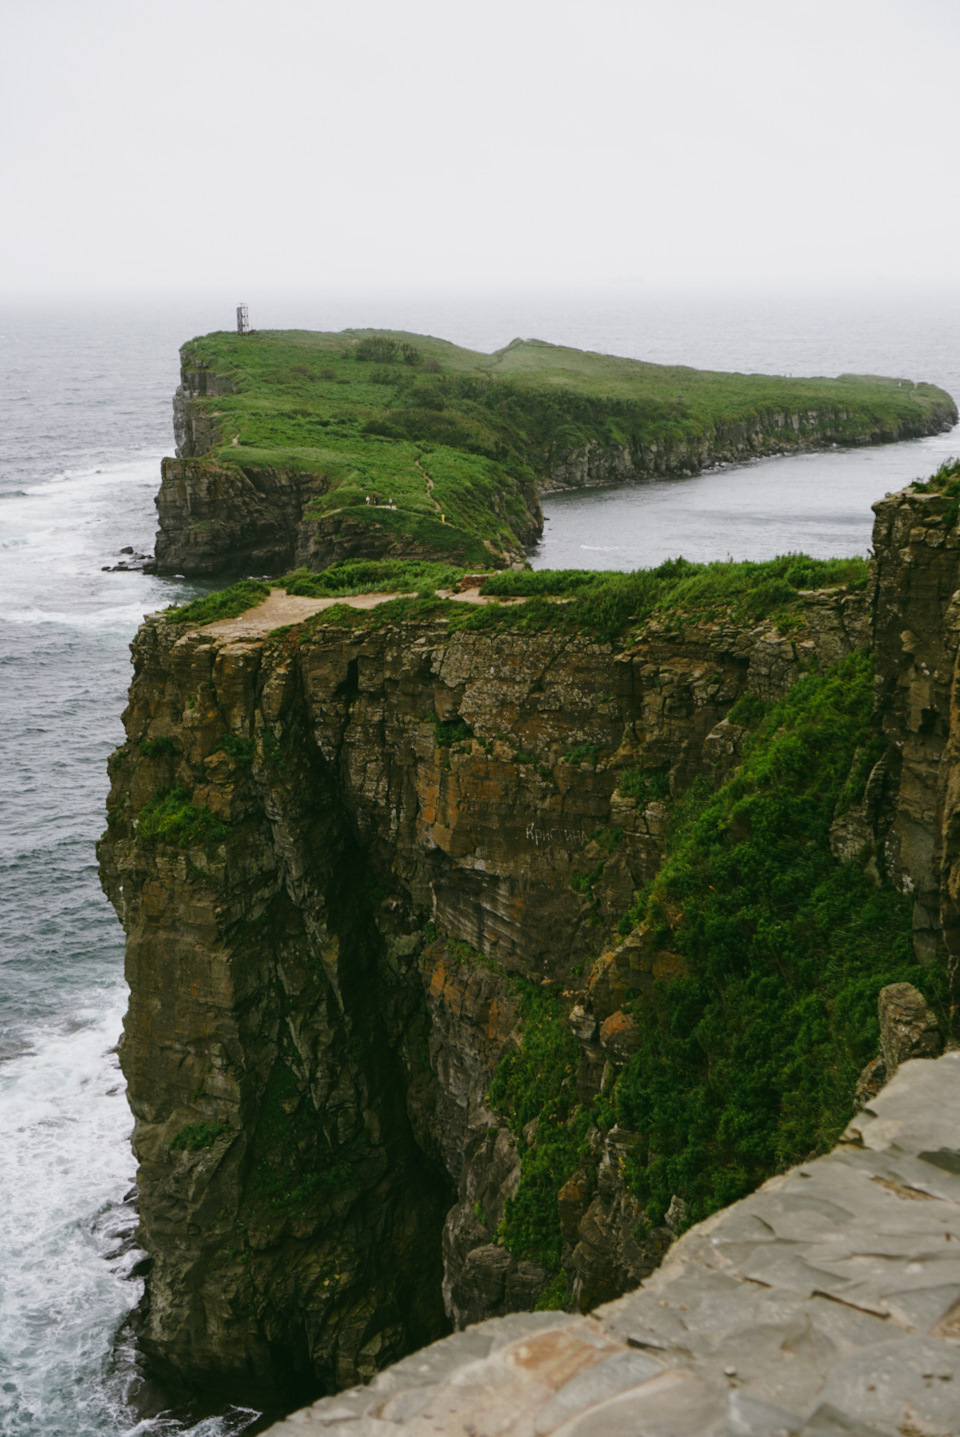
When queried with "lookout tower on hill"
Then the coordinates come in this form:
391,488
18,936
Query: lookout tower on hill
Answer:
243,319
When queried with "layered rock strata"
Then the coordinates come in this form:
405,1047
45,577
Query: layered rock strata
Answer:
913,797
307,1057
393,824
827,1303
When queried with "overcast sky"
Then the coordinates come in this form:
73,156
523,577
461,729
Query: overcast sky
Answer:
160,143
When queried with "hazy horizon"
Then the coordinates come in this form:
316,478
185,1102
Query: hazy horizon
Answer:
631,145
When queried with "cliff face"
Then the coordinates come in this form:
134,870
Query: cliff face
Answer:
335,852
322,976
778,432
913,799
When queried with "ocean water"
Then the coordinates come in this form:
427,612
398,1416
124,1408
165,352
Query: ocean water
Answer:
85,393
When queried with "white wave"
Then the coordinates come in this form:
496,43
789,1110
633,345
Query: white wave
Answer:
66,1165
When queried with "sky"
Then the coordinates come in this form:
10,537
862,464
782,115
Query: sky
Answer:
156,144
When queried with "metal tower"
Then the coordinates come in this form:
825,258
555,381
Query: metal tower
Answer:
243,319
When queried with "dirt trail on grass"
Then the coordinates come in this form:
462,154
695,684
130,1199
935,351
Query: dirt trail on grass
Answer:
429,486
282,608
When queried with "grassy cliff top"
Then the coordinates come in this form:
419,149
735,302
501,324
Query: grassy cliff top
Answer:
272,369
454,444
601,604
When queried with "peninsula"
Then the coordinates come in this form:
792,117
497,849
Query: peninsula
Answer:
303,449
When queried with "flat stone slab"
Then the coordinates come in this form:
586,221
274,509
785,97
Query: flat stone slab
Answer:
826,1304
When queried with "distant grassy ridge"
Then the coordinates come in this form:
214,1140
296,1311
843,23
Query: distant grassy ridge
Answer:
454,444
602,604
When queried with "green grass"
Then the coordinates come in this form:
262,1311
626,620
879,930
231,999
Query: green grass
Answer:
172,817
538,1080
645,785
195,1136
430,429
224,604
749,1061
368,576
945,481
600,603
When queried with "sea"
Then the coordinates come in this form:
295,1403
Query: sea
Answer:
85,417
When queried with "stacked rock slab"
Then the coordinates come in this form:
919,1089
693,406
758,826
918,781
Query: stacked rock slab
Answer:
827,1303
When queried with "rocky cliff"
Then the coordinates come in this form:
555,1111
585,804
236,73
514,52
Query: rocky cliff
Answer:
357,865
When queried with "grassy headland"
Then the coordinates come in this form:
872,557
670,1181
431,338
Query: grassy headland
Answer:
603,603
454,445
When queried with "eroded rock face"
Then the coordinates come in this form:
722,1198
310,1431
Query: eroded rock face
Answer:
908,1029
321,994
916,630
614,1245
774,433
321,1180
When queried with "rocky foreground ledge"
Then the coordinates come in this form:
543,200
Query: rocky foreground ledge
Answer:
827,1302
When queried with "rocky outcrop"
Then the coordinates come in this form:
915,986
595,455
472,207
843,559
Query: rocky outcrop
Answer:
828,1302
209,511
909,814
908,1029
225,520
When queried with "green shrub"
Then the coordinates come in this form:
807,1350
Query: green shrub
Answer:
645,785
368,576
241,750
583,753
195,1136
538,1080
748,711
158,748
224,604
172,817
748,1061
446,734
378,349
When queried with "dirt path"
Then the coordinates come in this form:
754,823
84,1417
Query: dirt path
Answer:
429,486
283,608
